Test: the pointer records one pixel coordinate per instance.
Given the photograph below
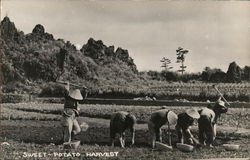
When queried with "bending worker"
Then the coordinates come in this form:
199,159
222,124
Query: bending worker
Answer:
120,121
184,123
208,120
70,113
156,121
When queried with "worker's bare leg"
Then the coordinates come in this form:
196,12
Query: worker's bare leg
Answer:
121,141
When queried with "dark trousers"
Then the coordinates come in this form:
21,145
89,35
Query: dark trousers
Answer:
207,131
184,135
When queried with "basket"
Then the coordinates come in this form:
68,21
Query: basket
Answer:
185,147
163,147
231,147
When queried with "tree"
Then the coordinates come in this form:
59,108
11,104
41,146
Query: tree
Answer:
213,75
181,58
154,75
234,73
246,73
165,63
61,58
169,75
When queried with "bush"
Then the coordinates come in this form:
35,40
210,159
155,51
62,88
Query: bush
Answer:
52,90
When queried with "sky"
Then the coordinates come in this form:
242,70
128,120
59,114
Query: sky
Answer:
216,33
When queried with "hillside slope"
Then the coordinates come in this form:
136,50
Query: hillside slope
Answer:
35,60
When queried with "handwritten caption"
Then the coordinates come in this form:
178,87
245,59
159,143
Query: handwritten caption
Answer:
67,155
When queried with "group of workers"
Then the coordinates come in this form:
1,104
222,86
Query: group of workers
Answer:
121,121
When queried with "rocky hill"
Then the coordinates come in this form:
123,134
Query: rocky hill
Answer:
32,61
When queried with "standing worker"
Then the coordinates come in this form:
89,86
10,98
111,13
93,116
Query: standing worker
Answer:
156,121
208,120
184,123
70,113
120,121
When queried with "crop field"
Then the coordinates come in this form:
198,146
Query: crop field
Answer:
35,128
195,88
40,111
201,91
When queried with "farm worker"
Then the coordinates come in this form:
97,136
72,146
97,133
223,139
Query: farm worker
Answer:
207,122
184,123
120,121
70,112
156,121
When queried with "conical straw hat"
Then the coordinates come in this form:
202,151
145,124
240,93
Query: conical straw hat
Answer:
172,118
193,113
76,94
221,103
84,126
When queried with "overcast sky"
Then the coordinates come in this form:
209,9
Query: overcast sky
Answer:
216,33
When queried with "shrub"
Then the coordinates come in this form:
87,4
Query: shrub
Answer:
52,90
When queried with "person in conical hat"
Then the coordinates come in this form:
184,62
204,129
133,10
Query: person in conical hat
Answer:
207,122
119,122
70,113
184,123
156,121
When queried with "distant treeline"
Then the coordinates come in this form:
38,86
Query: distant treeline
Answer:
234,74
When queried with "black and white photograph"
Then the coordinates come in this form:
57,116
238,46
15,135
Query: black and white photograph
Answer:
124,80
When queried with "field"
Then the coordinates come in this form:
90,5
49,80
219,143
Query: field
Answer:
198,91
35,128
201,91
